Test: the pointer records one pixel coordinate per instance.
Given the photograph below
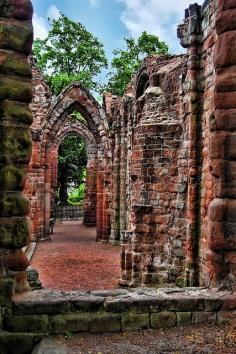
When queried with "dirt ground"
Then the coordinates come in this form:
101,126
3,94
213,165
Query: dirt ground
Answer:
72,260
199,339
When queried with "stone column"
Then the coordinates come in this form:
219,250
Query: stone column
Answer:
15,144
220,253
190,36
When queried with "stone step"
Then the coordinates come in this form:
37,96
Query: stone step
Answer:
52,312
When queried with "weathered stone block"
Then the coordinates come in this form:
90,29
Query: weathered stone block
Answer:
217,209
118,305
70,322
16,260
16,112
225,119
213,304
14,232
227,317
105,323
12,63
230,147
42,307
203,317
6,290
216,148
15,89
226,79
13,204
216,236
89,303
19,9
225,54
225,21
18,343
163,319
184,304
26,324
12,177
184,318
15,145
16,35
135,322
226,4
225,100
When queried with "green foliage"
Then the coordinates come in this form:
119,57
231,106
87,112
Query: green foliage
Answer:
72,161
76,196
73,158
126,62
70,53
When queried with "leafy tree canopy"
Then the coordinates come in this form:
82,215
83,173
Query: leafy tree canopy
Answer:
69,53
127,61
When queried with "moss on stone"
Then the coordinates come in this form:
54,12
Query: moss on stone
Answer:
12,177
15,111
6,290
36,323
14,232
69,323
15,64
15,89
15,145
13,205
16,36
184,318
134,322
163,319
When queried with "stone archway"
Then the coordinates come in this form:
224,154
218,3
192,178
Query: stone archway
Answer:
71,126
46,139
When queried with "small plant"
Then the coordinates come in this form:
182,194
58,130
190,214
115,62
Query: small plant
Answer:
69,334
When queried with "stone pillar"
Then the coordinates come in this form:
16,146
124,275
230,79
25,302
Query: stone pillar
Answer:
115,231
47,194
90,199
220,253
15,144
190,36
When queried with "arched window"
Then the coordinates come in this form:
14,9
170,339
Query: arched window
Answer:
142,85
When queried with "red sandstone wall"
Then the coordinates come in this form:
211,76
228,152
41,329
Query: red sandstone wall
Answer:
218,236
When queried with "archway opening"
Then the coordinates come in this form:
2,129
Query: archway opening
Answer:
71,178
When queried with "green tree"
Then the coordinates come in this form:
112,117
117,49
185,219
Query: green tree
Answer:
127,61
69,53
72,160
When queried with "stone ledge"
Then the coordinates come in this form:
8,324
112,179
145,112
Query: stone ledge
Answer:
51,312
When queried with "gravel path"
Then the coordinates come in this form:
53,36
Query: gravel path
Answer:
72,260
200,339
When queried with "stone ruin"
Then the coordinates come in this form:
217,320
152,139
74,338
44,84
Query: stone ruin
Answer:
161,161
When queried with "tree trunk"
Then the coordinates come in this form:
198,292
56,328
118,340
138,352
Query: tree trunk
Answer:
63,180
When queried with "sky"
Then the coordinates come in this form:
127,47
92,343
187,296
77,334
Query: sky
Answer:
112,20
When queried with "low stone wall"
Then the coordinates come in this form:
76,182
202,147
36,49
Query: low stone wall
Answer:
44,312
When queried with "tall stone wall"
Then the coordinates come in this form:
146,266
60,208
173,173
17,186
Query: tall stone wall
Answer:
177,159
218,238
15,144
34,187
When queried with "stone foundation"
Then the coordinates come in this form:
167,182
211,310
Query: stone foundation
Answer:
44,312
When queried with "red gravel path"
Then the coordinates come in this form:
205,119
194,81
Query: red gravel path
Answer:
72,260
